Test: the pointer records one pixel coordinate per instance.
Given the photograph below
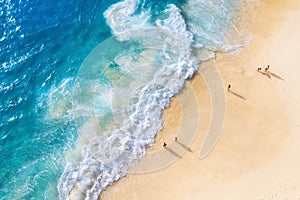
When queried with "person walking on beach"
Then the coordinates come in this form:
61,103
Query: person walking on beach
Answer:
267,68
228,88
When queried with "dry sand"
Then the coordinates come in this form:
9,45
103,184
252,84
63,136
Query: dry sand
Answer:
258,153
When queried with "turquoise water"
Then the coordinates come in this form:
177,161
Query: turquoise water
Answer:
83,85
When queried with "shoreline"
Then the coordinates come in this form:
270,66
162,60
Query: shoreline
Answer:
257,154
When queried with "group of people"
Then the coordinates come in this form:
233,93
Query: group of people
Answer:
258,69
266,69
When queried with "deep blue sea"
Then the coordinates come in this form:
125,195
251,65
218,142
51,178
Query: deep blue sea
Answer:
83,85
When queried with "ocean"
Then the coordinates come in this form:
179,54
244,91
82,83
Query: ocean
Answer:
83,85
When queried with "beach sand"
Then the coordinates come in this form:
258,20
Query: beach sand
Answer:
258,153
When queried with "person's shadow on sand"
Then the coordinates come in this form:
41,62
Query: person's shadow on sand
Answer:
173,152
265,74
275,75
236,94
269,74
183,146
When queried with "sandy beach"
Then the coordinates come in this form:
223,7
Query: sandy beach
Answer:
258,153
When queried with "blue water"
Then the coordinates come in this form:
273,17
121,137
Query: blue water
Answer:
49,146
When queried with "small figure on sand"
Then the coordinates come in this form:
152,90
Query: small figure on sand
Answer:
228,88
259,69
267,68
165,144
176,139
